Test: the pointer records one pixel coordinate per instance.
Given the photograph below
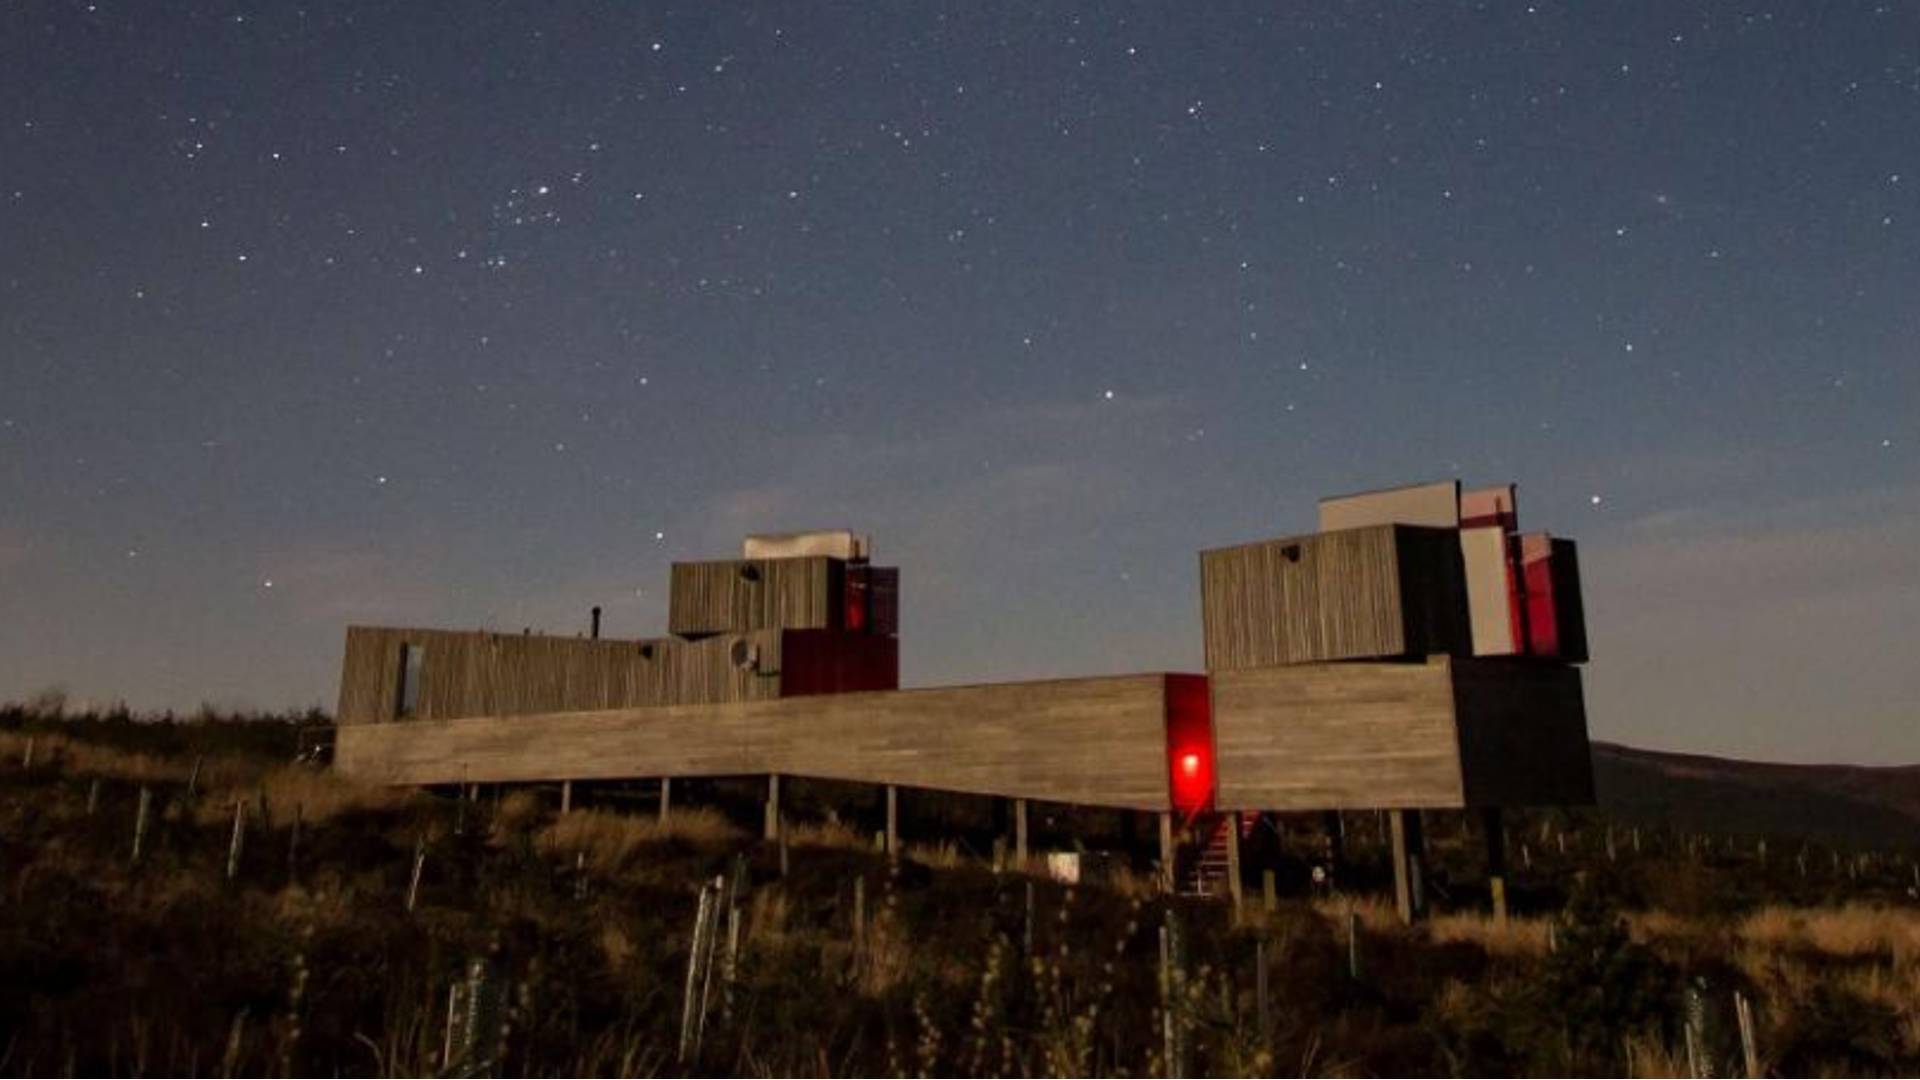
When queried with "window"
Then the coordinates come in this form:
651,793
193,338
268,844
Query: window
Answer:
411,657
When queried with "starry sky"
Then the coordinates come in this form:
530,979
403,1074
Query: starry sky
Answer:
477,315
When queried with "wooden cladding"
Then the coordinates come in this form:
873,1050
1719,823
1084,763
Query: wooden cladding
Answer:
1375,592
1096,742
804,593
467,673
1447,732
1336,736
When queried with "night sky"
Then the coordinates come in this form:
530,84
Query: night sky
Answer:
477,315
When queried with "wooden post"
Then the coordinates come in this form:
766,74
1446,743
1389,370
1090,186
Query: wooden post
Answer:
893,821
1166,850
1232,825
140,822
770,828
1262,1004
419,865
93,796
193,778
1269,890
1026,933
1020,833
293,846
1353,945
666,797
1497,862
1406,866
566,796
239,838
26,758
1336,842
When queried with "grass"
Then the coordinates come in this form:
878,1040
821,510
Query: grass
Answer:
310,962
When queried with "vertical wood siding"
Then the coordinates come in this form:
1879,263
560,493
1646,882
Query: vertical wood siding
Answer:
467,673
1368,593
756,594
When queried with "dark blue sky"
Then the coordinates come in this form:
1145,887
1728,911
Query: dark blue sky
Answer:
478,315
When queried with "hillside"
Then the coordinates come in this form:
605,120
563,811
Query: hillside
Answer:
365,931
1850,805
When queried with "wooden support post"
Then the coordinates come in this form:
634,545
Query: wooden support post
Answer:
666,797
893,821
1166,851
1409,897
1270,890
1232,825
1336,843
1020,833
1496,829
566,796
771,826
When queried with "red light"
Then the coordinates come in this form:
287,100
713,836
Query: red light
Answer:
1190,764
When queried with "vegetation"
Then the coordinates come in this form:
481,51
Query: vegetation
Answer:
371,931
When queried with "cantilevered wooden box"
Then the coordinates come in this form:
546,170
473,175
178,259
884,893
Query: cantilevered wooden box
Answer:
1368,593
812,592
1444,732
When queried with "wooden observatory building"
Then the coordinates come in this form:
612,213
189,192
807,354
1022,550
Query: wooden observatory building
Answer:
1416,652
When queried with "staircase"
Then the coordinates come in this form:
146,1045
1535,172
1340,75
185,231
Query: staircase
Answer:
1207,865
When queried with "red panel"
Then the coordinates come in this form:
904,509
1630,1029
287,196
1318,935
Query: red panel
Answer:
1190,743
872,599
1543,622
829,662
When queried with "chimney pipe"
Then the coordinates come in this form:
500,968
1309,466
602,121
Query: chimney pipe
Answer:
596,622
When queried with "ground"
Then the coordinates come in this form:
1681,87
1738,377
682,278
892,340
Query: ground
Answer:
372,931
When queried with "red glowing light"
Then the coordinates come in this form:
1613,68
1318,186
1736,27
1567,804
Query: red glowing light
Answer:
1190,764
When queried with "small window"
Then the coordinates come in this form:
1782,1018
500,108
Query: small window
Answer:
411,657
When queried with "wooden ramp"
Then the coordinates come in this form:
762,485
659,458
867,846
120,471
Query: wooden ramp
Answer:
1444,732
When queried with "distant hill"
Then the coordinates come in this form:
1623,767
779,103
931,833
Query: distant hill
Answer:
1841,804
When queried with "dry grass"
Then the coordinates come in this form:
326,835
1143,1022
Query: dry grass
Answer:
1516,937
320,795
1857,931
827,834
611,841
92,759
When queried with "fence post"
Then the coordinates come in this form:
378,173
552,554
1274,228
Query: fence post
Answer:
419,865
293,846
1260,999
140,822
93,796
239,838
1749,1045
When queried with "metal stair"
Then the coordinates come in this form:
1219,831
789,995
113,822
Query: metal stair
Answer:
1208,865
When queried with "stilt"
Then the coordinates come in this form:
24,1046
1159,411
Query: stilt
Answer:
1020,833
771,828
566,796
1496,829
893,821
1409,893
666,796
1336,843
1166,850
1232,825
